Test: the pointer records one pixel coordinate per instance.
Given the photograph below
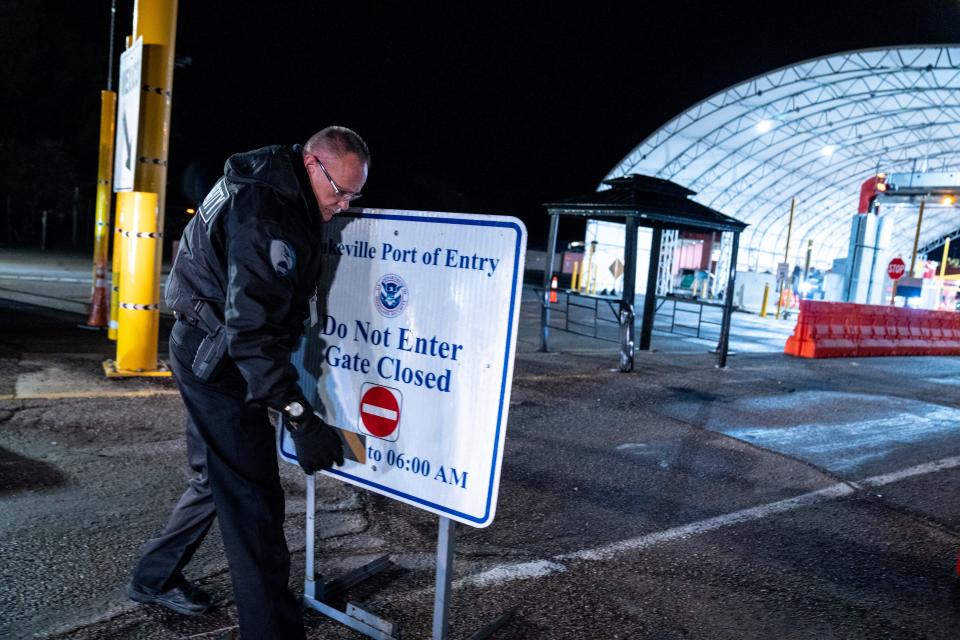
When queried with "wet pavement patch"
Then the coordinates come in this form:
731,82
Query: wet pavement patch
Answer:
846,433
18,473
689,394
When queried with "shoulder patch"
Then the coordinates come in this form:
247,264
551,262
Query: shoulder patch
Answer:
214,202
283,257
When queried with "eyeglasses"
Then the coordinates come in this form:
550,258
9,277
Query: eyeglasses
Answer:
342,194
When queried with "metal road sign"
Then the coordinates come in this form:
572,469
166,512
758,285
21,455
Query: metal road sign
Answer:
616,268
896,269
783,271
128,117
413,350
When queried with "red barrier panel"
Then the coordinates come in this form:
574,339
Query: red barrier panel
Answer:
840,329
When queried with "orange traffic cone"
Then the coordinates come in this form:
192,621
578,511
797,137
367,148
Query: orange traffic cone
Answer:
100,303
553,289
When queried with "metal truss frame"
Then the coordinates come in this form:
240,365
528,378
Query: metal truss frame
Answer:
815,131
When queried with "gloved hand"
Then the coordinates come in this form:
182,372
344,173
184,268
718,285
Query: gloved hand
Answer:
317,444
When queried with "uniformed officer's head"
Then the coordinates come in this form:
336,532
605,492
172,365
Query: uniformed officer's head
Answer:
336,159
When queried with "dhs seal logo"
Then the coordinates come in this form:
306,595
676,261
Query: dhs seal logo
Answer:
390,295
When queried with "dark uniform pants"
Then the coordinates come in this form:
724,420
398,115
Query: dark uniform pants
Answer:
232,448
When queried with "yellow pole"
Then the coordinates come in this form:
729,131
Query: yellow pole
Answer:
766,295
139,313
123,213
786,256
943,271
575,280
943,261
156,22
101,230
585,276
916,239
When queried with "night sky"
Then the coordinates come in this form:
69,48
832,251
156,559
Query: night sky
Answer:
466,107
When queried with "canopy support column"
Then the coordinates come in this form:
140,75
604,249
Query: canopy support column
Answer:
650,297
627,316
722,348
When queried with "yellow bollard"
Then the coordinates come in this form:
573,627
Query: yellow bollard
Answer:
101,230
575,281
124,203
766,295
139,306
156,22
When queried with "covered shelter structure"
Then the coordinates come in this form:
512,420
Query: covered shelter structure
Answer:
643,201
813,132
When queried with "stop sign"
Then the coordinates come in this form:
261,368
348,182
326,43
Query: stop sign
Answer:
896,269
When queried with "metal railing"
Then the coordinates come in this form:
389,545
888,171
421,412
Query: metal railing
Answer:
596,316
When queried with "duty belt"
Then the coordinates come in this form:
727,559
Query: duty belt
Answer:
192,321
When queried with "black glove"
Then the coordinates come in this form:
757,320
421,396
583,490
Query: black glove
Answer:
317,444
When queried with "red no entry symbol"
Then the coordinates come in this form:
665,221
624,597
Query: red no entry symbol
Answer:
380,411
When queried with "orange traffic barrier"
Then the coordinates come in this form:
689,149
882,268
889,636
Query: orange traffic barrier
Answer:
839,329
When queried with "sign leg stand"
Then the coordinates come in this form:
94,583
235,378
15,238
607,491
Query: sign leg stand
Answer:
354,617
446,540
309,583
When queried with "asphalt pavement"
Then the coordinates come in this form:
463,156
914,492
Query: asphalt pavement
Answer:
777,498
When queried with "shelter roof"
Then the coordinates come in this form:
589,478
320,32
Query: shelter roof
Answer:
653,201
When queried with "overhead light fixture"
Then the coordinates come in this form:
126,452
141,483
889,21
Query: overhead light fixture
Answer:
948,199
828,150
764,126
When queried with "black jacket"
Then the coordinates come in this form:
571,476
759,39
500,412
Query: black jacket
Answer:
252,252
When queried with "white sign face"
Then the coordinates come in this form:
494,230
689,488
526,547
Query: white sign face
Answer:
412,354
783,271
128,117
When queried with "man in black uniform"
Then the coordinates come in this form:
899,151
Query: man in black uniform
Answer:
247,266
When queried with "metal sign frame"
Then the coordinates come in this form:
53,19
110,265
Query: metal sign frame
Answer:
317,591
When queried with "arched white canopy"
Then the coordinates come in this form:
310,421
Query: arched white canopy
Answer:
815,131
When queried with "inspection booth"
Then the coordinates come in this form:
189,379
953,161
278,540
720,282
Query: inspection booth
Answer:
665,207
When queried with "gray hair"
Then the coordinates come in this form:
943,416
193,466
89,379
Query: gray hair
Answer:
339,141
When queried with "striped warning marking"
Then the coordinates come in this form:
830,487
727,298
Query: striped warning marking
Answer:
141,234
139,307
354,446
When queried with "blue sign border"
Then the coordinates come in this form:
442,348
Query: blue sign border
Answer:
517,281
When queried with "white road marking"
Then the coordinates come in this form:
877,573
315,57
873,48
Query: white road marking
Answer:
378,411
909,472
694,528
45,278
506,573
80,395
539,568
